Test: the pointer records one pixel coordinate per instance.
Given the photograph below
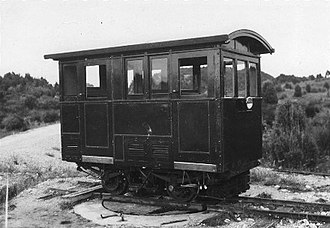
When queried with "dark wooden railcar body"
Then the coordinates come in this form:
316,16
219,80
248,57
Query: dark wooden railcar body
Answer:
192,104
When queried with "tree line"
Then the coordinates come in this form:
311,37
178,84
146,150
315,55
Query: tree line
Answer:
26,101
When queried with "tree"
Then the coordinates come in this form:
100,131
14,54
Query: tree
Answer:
327,74
308,88
319,76
289,143
269,92
311,77
297,91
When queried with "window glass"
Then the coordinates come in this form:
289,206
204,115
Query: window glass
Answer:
193,75
253,79
159,76
92,76
135,77
241,77
96,80
187,78
229,77
70,81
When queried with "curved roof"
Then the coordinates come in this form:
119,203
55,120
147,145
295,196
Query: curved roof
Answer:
256,42
262,46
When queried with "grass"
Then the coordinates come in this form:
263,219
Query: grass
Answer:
270,178
24,174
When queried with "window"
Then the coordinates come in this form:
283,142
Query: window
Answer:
241,77
229,77
193,75
96,80
159,75
135,77
253,79
70,81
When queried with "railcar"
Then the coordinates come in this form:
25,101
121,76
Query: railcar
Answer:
181,115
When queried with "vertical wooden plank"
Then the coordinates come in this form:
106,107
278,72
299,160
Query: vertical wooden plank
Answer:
235,79
118,78
217,73
247,85
259,94
211,73
146,85
109,78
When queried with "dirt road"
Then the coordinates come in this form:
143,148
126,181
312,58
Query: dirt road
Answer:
40,146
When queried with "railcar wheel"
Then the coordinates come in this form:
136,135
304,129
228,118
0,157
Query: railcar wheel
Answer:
182,192
115,183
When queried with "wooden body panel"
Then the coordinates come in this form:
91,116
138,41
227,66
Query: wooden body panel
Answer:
195,128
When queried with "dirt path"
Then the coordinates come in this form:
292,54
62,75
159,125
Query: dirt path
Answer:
40,145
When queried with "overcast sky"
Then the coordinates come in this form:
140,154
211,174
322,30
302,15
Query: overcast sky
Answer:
298,30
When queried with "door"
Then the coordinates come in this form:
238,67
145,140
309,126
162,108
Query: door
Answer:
97,112
241,110
192,104
142,123
71,125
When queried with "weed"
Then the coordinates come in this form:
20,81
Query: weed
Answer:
50,154
264,195
66,205
56,148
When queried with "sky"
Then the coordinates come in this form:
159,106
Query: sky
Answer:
299,31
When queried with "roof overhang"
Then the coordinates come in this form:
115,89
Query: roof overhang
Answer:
258,44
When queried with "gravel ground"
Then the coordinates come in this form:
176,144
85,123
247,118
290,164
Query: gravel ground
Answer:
40,147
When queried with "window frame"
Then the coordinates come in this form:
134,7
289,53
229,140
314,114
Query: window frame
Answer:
151,91
211,73
103,91
197,80
247,60
144,86
64,84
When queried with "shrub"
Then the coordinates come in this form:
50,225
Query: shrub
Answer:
288,143
278,88
288,86
35,116
29,101
314,90
269,92
283,96
297,91
308,88
14,122
290,116
312,108
268,113
320,125
50,116
46,102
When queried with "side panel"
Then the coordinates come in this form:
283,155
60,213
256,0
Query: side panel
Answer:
117,78
241,133
193,131
98,133
139,118
70,136
143,133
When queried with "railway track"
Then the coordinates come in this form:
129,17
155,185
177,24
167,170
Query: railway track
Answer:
302,172
286,208
241,206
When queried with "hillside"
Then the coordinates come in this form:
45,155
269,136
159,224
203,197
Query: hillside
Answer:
265,77
26,102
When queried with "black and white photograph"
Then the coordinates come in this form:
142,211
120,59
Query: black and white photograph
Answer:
165,113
